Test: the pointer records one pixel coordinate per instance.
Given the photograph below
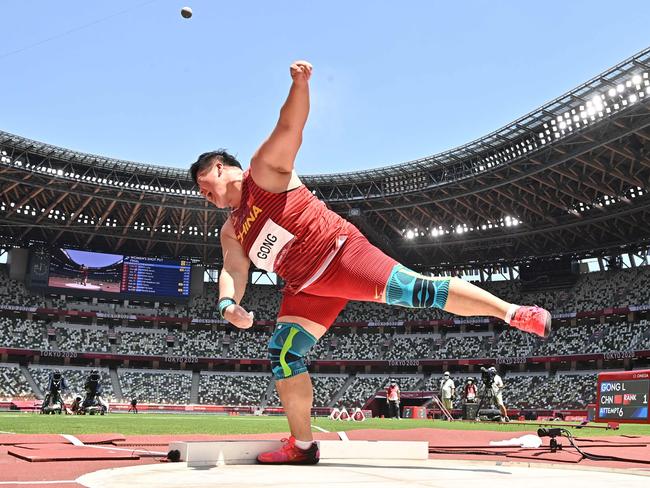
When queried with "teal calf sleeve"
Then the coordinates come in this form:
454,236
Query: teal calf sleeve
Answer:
407,288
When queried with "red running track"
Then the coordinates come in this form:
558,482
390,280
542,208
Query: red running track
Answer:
444,444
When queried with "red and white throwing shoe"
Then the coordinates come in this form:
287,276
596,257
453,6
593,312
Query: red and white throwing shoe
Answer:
289,453
535,320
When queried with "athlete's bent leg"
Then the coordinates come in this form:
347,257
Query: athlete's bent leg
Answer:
293,338
296,395
296,390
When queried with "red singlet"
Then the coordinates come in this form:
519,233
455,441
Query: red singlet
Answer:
292,233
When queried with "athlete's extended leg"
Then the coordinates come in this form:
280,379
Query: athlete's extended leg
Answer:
467,299
407,288
363,272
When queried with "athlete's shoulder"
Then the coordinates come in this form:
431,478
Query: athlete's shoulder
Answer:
271,180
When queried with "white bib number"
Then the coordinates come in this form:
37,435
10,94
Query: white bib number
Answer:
270,241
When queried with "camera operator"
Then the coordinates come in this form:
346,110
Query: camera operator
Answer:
134,406
56,385
494,387
447,391
94,392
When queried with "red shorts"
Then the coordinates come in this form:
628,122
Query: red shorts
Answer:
359,271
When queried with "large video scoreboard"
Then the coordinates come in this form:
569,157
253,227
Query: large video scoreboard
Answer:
79,271
623,397
155,276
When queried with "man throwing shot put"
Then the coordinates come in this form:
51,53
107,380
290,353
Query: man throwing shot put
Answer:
280,226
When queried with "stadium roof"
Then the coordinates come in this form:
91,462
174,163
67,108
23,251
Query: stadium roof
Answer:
569,177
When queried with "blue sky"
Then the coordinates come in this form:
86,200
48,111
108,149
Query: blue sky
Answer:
393,81
93,259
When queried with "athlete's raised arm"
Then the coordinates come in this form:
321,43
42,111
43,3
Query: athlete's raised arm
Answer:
274,160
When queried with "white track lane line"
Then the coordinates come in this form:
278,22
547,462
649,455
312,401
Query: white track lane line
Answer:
321,429
343,436
141,452
72,439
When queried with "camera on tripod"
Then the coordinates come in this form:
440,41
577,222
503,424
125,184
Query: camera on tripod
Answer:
487,375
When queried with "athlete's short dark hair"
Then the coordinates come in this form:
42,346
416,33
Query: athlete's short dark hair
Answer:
206,160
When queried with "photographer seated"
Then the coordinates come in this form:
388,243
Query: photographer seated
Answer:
75,408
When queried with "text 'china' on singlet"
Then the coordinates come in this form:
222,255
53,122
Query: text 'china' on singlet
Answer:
292,233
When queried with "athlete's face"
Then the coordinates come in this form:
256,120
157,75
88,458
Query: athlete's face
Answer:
212,185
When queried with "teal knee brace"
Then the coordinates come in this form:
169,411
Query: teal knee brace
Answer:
407,288
287,349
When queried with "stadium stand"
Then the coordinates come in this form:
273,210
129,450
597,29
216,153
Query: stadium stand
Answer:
591,338
13,384
360,346
165,387
198,342
410,346
463,346
205,306
247,344
643,337
70,337
592,291
612,336
513,343
13,292
321,350
233,388
141,341
20,333
537,391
